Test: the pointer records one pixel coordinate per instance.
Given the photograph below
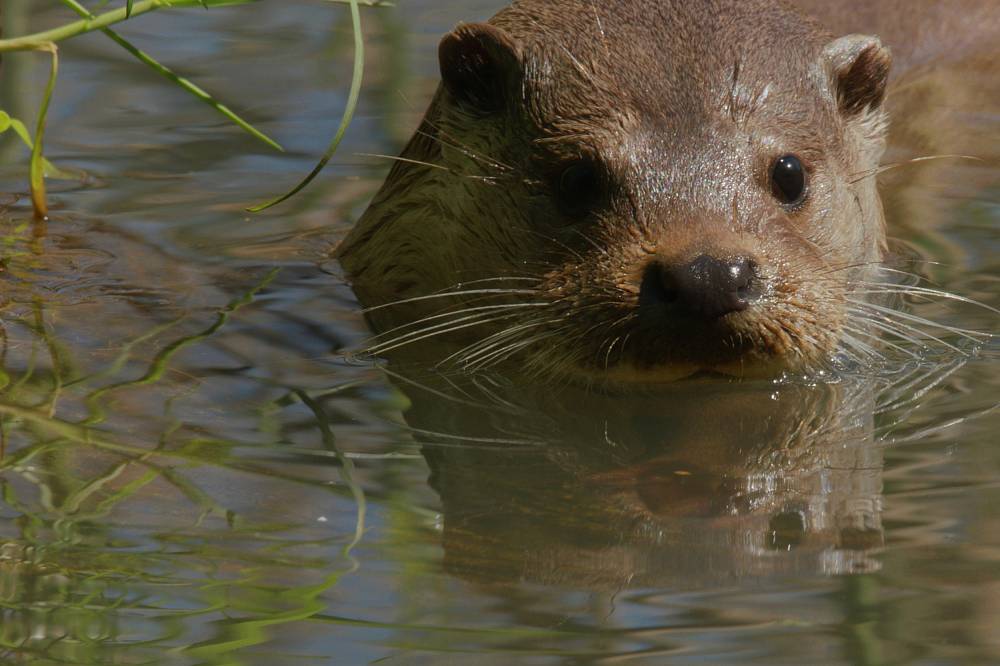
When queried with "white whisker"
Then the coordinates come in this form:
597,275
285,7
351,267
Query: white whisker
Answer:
451,294
974,336
444,329
456,313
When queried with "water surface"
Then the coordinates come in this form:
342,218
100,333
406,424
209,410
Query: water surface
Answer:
193,472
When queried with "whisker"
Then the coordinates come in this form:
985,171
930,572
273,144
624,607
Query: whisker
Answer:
914,397
443,329
467,357
859,344
478,440
503,353
561,244
451,294
924,433
880,287
476,345
502,278
874,352
600,248
896,328
481,308
888,325
441,394
895,165
465,150
398,158
974,336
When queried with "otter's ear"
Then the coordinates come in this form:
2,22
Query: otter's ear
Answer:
480,66
859,72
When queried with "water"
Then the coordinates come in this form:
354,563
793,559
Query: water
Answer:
194,473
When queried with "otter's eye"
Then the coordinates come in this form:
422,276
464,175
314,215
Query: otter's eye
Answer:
579,187
788,180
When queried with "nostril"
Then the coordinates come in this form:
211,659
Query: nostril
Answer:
658,285
743,273
668,285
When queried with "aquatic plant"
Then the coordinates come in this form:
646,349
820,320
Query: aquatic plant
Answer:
47,41
74,573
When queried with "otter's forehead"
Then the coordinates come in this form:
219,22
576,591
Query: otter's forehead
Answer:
669,59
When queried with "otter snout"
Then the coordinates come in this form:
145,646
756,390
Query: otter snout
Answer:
706,287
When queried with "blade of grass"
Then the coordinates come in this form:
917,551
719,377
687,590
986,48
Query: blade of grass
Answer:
245,633
74,503
37,164
58,358
125,354
347,470
161,361
352,103
172,76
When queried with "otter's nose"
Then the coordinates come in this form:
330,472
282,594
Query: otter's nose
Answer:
706,287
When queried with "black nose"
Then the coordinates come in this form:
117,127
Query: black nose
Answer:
706,287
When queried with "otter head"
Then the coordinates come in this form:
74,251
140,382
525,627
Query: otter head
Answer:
637,191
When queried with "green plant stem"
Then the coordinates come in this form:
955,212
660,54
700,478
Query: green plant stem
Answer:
345,121
37,161
38,39
46,41
169,74
33,41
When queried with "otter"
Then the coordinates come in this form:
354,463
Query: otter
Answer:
639,191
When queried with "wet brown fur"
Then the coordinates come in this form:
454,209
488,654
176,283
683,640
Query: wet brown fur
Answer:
685,106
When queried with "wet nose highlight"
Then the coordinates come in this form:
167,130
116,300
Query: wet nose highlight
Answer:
707,287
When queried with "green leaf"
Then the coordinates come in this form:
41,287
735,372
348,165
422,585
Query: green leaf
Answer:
51,170
128,8
345,121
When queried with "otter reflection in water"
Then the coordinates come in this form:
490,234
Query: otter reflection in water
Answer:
704,482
